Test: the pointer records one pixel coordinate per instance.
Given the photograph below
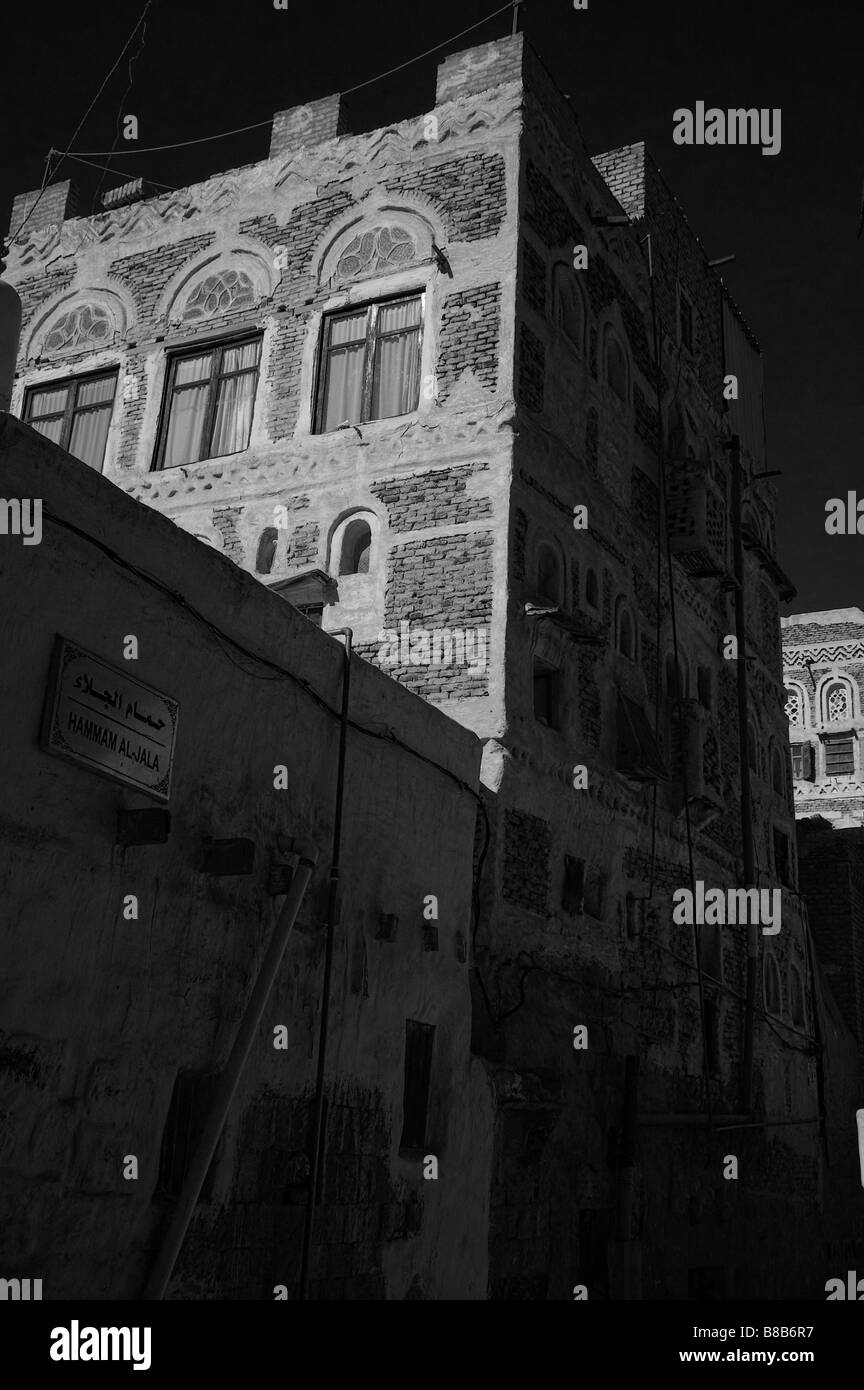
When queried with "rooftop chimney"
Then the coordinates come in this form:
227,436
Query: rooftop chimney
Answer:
59,201
308,125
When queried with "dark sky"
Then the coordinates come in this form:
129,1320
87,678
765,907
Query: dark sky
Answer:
791,220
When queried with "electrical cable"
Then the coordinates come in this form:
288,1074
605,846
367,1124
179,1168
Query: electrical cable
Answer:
48,171
132,61
258,125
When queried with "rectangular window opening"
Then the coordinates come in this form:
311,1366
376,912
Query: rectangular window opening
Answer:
840,756
209,401
75,414
370,363
419,1042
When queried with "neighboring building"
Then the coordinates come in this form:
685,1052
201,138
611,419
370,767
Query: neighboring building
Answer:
368,370
823,657
114,1026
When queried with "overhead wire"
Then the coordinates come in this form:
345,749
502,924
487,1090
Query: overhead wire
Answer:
49,172
258,125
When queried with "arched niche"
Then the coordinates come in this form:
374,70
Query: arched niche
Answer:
375,242
81,320
219,281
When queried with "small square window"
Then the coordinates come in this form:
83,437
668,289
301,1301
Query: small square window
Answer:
75,413
370,363
209,400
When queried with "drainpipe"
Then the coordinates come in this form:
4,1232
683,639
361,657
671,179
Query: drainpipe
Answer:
745,1098
333,906
246,1033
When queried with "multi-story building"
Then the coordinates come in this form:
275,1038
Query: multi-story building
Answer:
823,657
461,387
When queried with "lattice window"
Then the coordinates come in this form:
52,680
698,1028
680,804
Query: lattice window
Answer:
88,325
380,249
794,706
230,289
837,703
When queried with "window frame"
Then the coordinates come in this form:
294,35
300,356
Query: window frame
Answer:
69,412
371,308
219,344
829,742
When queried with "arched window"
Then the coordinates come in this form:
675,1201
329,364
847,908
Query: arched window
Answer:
266,550
548,574
772,992
796,996
794,706
592,589
356,548
616,367
778,781
625,631
567,304
837,703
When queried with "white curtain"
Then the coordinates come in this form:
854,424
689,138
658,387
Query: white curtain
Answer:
90,426
89,433
183,444
233,423
397,360
346,348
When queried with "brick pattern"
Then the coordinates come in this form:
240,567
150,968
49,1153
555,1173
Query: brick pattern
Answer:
532,369
644,502
38,288
295,299
469,192
606,288
520,534
133,400
437,583
56,203
302,552
592,442
547,214
225,521
437,498
147,273
589,697
527,849
644,418
469,338
533,278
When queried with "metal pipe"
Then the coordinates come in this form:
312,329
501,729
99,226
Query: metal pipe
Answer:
332,921
163,1266
721,1121
745,1097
